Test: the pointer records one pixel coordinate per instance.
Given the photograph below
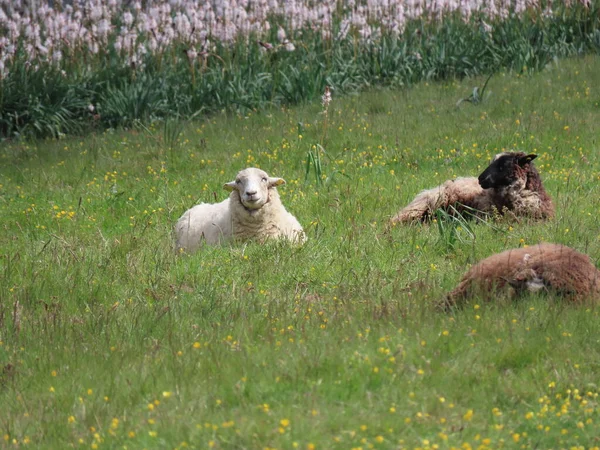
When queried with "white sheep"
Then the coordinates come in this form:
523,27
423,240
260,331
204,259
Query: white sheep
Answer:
511,183
543,267
252,211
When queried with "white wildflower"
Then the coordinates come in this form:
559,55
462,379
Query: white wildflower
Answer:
326,98
281,37
192,54
486,26
127,18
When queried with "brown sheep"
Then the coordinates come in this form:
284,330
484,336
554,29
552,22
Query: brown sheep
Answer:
551,267
511,183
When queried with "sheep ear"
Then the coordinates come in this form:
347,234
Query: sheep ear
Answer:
527,159
230,186
276,181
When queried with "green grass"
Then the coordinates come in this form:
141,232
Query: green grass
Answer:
108,339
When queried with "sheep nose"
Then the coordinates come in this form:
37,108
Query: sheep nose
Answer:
484,181
250,193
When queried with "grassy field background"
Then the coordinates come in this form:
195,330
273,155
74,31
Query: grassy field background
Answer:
108,339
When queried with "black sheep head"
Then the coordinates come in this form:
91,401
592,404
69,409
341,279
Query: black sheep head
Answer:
503,170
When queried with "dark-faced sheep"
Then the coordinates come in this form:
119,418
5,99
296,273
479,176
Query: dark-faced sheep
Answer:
510,184
252,211
544,267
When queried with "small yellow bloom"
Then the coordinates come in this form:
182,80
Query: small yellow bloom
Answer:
71,419
468,415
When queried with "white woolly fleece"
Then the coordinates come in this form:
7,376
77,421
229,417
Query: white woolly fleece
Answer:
252,211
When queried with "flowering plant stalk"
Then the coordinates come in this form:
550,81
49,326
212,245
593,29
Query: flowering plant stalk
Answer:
141,60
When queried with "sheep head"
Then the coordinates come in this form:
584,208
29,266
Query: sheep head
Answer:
253,186
504,169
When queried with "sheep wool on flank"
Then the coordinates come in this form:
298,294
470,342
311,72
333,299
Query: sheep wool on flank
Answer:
252,211
510,184
546,267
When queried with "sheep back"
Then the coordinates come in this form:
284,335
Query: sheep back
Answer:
208,222
553,267
459,193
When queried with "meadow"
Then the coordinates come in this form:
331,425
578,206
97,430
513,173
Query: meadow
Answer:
109,339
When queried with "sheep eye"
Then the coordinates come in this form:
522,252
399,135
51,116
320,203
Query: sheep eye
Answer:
238,181
264,180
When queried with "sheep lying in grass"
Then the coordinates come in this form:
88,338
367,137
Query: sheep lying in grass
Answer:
511,183
252,211
544,267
